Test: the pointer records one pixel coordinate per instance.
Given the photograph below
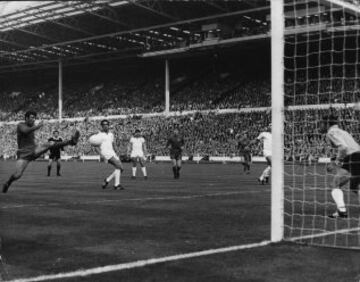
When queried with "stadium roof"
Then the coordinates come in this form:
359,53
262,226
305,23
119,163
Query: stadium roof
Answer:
41,33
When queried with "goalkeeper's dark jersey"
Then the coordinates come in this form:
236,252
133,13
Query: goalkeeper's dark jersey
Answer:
55,151
175,142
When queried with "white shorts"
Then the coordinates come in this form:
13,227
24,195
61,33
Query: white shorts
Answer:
108,154
267,153
137,154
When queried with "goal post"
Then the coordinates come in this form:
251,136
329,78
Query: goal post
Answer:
277,119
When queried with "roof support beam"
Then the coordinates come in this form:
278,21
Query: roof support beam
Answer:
89,8
113,34
153,10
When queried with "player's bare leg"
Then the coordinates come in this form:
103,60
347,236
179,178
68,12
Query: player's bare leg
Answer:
143,167
174,167
49,167
49,145
178,168
264,177
58,167
117,173
20,167
134,168
341,178
247,159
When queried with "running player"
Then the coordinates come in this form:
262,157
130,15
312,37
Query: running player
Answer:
55,154
346,165
137,151
28,150
266,138
245,152
176,144
106,150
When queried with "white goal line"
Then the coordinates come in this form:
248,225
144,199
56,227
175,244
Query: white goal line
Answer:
139,263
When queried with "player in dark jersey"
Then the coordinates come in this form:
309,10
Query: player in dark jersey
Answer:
55,153
245,152
28,150
176,144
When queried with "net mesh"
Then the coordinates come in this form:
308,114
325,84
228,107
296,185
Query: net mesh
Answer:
321,77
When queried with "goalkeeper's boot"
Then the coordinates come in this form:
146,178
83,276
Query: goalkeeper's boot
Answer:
266,180
105,184
339,214
75,138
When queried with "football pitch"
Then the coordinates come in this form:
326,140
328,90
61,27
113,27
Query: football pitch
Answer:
200,227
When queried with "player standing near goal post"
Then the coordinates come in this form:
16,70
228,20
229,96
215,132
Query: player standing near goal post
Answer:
103,144
28,150
138,152
176,144
244,151
346,165
55,154
266,138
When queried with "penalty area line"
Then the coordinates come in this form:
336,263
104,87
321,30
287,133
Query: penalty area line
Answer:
139,263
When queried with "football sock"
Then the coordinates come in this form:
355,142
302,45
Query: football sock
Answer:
58,167
144,171
117,176
134,171
174,170
49,169
338,197
267,171
111,176
178,171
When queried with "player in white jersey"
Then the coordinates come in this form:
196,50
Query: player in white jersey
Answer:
137,151
346,165
103,143
266,138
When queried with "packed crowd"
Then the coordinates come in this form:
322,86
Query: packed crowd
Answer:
213,90
210,134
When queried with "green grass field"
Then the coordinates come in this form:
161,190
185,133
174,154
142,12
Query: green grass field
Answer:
53,225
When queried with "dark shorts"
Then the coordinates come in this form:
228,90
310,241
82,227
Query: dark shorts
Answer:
351,163
55,156
268,160
27,154
175,155
246,155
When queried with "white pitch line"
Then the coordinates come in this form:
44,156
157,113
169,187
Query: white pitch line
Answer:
139,263
328,233
137,199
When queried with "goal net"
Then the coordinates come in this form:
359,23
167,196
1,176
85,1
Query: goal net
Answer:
321,77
